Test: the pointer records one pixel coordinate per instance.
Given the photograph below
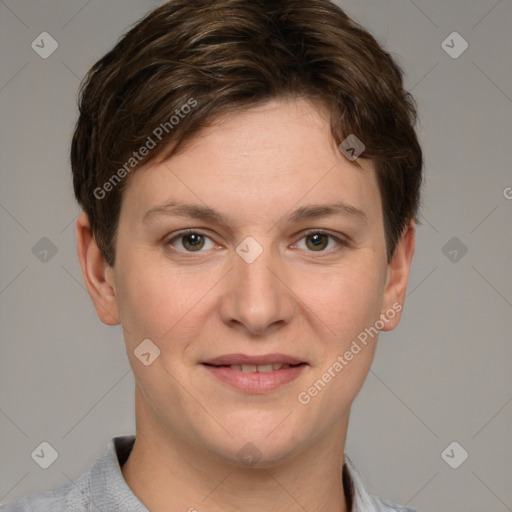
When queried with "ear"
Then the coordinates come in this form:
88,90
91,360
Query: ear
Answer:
397,278
98,275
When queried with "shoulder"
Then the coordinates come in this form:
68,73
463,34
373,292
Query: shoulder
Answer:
102,488
64,498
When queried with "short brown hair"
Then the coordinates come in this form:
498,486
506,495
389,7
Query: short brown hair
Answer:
221,56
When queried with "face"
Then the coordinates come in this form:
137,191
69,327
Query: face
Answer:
255,262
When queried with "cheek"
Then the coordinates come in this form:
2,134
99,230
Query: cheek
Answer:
346,300
347,310
160,303
347,305
144,297
156,305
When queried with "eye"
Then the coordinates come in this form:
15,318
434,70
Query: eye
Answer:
191,241
315,241
318,241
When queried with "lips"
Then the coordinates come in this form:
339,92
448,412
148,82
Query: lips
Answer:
260,368
255,374
243,359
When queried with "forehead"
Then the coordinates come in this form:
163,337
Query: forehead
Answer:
278,155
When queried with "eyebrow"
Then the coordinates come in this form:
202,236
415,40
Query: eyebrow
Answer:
201,212
173,208
325,210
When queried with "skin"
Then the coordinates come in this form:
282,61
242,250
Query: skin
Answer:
255,168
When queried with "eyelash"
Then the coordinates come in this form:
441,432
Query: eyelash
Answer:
340,241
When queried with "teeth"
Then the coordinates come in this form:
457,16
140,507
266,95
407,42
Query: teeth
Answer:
261,368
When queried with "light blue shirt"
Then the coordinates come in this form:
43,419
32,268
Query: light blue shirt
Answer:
103,489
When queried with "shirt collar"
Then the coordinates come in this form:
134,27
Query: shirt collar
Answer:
357,496
109,490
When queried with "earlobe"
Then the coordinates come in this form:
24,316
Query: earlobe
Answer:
97,273
398,277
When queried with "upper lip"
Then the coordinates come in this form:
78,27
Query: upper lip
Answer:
243,359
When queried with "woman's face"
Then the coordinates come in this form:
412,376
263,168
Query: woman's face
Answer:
252,261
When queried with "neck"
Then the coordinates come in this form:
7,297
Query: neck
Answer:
169,475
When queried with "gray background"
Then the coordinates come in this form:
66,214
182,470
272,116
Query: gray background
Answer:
443,375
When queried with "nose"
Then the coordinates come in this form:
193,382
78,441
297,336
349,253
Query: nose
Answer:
258,298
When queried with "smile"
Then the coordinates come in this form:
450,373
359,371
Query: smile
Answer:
261,368
255,374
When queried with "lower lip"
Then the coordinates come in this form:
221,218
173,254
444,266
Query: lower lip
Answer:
256,382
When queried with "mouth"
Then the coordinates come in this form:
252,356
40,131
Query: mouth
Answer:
255,374
256,368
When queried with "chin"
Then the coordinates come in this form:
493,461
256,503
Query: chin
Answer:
259,444
258,453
